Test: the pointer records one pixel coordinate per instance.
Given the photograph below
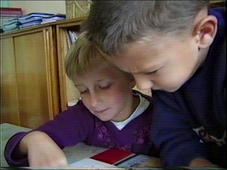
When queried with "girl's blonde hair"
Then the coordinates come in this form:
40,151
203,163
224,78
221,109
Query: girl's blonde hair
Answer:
84,56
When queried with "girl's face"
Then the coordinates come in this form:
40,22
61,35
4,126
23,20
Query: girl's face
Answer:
107,93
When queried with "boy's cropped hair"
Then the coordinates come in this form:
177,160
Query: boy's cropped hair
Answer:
121,22
84,56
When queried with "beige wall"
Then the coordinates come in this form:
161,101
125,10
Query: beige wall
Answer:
40,6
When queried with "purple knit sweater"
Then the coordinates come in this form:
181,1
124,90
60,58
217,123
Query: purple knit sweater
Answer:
77,124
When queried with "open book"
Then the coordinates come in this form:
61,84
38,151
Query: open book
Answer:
91,163
117,158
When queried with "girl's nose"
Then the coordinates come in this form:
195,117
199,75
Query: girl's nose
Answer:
94,100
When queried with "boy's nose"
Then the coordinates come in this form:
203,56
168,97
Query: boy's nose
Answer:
143,83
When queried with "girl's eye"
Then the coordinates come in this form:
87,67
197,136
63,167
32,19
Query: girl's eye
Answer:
84,91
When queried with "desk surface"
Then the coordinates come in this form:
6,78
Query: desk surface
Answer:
8,130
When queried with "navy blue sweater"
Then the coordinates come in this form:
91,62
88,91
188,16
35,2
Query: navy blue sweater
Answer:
191,122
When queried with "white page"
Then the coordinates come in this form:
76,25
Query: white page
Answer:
91,163
81,151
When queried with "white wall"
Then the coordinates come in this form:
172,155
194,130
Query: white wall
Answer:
40,6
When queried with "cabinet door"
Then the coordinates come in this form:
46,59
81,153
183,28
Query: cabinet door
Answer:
36,77
9,93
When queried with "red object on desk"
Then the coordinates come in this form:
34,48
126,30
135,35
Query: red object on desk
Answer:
113,156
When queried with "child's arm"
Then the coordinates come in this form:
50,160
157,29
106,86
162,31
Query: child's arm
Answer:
178,143
11,152
16,150
42,151
200,162
67,129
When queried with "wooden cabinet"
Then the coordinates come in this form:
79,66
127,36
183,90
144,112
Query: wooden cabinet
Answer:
30,76
34,85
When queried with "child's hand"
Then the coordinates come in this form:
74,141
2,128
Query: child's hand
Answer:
42,151
151,162
201,162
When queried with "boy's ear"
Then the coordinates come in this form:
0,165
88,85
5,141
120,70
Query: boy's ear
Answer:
205,31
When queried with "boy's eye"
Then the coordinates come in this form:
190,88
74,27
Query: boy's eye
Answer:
152,72
104,87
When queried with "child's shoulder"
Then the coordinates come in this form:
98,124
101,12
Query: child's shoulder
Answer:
79,109
145,104
77,105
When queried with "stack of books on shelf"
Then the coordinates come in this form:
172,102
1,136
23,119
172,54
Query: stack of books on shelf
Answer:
31,19
34,19
9,19
53,18
10,25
